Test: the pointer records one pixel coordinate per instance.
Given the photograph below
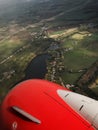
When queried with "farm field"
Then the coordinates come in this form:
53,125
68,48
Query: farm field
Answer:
79,51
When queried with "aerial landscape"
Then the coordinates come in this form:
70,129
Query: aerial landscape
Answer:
56,40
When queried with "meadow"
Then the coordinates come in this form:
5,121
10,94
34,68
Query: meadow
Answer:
79,50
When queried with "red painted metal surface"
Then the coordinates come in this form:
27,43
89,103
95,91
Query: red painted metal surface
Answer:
39,98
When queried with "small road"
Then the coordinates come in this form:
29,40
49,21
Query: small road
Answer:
11,56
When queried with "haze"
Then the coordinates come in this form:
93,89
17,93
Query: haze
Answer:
8,2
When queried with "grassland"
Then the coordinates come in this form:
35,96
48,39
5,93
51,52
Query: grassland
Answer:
79,51
16,51
95,90
12,66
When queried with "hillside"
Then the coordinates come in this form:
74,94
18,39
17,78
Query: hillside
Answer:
55,12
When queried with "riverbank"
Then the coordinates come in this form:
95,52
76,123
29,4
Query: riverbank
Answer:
37,68
13,69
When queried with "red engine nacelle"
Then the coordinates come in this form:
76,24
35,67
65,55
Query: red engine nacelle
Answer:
36,105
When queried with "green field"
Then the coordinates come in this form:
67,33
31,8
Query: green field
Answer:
15,57
12,70
80,52
95,89
9,47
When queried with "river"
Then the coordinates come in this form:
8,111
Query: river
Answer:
37,68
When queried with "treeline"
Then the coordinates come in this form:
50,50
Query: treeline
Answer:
87,78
